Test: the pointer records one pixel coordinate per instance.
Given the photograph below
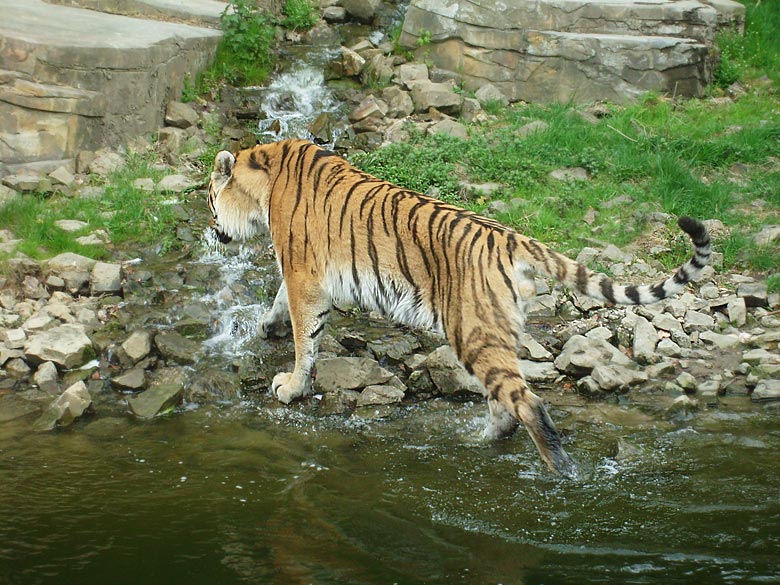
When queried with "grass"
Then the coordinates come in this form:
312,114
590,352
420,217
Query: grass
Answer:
129,215
705,158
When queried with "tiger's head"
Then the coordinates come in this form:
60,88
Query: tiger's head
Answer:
234,199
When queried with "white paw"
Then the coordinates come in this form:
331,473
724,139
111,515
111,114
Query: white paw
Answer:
283,389
273,328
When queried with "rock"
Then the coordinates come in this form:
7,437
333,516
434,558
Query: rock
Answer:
73,268
645,340
363,10
134,379
176,184
351,62
581,354
71,225
490,94
410,73
570,174
532,128
106,163
339,402
176,348
766,390
66,345
448,375
532,349
46,377
395,350
538,371
156,401
737,311
696,321
137,346
687,382
38,322
420,382
17,368
349,373
144,184
180,115
754,293
379,394
370,107
378,70
610,377
33,289
426,95
668,348
718,340
665,322
451,128
767,235
399,102
70,405
683,404
760,357
106,278
14,338
334,14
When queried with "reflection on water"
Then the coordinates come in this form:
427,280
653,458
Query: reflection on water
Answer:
250,494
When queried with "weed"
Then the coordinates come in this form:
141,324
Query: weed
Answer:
773,283
300,15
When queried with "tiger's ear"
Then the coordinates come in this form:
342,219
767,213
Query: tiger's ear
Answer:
224,163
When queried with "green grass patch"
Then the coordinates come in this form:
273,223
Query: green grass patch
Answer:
129,215
299,15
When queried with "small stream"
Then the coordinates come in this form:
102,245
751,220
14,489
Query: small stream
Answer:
248,491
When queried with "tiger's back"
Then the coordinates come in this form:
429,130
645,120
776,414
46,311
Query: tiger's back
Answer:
343,236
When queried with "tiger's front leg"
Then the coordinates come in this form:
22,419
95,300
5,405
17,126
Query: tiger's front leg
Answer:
276,322
309,307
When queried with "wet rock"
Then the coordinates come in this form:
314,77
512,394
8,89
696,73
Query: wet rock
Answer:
176,348
47,378
158,400
766,390
66,345
180,115
334,14
134,379
610,377
213,385
106,278
322,128
352,63
683,404
339,402
581,354
420,382
349,373
70,405
379,394
687,382
448,375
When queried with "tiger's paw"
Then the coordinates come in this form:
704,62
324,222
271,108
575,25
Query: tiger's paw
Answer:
284,390
274,328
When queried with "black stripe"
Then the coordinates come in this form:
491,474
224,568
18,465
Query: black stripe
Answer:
632,293
607,289
318,330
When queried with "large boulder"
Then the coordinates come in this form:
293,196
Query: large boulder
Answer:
67,346
69,406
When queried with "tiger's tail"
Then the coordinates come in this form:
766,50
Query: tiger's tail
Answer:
601,287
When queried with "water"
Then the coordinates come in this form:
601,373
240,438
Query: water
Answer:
257,493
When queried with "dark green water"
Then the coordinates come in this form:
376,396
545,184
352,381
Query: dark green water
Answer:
250,494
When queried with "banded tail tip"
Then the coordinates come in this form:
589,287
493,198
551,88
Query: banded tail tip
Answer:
692,227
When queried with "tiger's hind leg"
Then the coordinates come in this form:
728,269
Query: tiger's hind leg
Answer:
501,423
309,308
276,322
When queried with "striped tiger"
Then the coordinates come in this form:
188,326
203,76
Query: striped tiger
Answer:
342,236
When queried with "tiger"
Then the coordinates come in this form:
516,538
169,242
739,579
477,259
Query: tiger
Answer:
342,236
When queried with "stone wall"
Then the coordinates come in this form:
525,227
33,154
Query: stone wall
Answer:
73,79
560,50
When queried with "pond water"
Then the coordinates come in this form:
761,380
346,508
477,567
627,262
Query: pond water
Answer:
258,493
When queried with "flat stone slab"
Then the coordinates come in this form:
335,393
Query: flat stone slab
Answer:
195,11
70,77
